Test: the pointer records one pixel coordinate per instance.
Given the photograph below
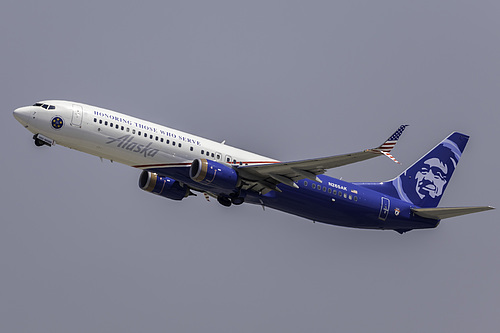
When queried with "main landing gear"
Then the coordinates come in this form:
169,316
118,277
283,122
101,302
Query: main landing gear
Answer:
232,199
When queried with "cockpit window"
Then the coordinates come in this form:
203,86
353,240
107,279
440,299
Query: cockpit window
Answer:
45,106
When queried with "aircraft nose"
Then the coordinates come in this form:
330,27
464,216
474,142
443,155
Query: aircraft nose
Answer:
23,115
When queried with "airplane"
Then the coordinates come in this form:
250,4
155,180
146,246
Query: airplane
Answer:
176,164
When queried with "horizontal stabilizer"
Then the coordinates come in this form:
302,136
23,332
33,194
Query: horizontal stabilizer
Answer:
445,212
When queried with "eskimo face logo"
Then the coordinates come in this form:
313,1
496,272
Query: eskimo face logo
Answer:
57,122
424,183
431,178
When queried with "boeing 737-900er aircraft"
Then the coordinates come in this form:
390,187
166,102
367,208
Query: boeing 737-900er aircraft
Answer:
174,164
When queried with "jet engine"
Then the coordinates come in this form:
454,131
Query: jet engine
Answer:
163,186
213,173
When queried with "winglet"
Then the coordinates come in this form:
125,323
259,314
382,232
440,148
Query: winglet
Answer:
390,156
389,144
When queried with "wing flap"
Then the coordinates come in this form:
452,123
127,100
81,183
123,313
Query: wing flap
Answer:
446,212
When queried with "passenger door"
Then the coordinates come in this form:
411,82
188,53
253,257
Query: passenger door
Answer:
76,119
384,209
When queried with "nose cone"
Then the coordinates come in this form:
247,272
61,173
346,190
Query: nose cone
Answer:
23,115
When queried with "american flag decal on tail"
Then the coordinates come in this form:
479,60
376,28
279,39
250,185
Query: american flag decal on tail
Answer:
387,146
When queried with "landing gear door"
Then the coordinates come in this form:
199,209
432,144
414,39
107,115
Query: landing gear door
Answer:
76,119
384,209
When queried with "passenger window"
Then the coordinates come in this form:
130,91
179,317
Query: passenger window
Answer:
145,135
324,188
133,131
350,196
95,120
340,193
345,195
105,123
151,136
330,190
334,192
100,121
191,148
355,198
167,142
173,143
305,182
161,139
180,145
110,124
202,152
313,185
123,128
208,154
128,129
213,155
139,133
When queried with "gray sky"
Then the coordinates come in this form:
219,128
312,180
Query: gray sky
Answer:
83,249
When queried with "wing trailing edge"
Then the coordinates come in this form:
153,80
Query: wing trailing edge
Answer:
446,212
265,177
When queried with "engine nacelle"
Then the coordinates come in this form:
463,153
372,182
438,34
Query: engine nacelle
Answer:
164,186
213,173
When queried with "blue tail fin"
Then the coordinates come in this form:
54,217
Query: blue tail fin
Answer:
424,183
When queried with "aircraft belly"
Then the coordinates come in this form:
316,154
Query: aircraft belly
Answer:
316,206
319,207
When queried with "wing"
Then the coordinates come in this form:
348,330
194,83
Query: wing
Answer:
265,177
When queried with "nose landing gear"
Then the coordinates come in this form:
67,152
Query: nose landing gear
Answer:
41,140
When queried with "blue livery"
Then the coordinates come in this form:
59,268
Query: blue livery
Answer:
424,183
387,205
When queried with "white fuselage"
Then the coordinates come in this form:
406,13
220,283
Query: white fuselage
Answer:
125,139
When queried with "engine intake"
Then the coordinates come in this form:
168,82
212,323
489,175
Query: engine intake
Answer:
213,173
163,186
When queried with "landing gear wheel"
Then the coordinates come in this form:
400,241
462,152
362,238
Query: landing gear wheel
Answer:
236,198
237,201
39,143
224,201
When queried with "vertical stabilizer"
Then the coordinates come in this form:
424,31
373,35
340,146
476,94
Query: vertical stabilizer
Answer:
424,183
